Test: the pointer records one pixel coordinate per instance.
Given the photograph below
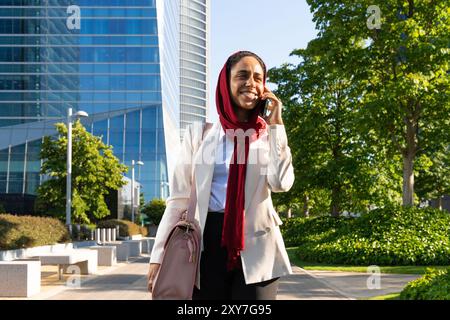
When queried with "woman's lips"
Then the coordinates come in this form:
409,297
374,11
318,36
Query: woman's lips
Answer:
249,95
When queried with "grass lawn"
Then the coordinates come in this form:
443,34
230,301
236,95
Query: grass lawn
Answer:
331,267
392,296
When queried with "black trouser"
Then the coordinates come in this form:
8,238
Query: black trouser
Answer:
216,283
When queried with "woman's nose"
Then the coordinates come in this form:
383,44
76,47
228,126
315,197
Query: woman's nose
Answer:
250,82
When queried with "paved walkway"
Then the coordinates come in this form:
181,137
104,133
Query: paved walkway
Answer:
127,281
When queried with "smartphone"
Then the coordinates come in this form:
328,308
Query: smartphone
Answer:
264,107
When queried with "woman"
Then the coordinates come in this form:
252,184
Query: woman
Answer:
240,161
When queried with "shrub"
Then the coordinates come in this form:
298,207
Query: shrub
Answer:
84,233
434,285
154,210
18,232
143,231
387,236
126,228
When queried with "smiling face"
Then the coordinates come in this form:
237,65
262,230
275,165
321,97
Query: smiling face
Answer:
246,82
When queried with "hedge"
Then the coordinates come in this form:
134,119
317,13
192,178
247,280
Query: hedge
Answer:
126,228
386,236
17,232
434,285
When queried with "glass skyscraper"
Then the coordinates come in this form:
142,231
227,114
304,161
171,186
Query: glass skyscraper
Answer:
194,61
118,60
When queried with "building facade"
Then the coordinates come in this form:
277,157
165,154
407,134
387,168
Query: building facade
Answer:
194,61
118,60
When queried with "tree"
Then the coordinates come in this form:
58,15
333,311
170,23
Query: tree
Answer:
95,170
404,67
433,178
154,210
330,146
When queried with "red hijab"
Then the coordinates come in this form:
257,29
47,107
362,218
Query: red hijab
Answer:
233,226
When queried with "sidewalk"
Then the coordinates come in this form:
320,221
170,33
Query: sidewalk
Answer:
355,284
127,281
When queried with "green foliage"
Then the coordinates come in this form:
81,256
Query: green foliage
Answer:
95,170
433,174
154,210
434,285
126,228
334,154
387,236
84,233
18,232
363,104
2,208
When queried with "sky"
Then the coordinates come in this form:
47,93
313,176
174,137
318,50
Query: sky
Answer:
270,28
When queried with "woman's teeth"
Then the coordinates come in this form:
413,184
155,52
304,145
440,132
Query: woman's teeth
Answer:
250,95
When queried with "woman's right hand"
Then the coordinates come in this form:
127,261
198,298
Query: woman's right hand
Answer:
152,272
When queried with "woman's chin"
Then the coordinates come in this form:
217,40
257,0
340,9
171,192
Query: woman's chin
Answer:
248,105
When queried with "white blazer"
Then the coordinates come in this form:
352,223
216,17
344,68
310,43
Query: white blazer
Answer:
269,169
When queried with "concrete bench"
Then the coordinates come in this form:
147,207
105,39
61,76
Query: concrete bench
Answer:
20,278
135,247
85,259
147,244
106,255
122,250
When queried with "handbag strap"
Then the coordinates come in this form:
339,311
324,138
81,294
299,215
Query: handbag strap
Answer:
193,196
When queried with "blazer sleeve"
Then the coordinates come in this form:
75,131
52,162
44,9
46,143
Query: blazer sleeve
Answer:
280,173
180,187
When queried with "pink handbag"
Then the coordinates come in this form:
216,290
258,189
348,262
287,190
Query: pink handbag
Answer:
178,271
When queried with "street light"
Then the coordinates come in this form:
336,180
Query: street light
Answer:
70,118
133,163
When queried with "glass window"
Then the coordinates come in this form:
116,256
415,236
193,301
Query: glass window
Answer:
148,141
193,92
193,83
197,6
148,118
133,120
116,141
101,129
4,160
116,123
132,143
31,182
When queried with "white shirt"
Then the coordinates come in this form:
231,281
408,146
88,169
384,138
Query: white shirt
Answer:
224,151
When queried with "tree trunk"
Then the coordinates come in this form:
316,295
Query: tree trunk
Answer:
408,180
409,154
306,206
289,213
335,205
440,203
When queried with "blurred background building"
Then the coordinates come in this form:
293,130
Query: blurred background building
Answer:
118,60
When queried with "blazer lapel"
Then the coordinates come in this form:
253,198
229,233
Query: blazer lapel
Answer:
204,161
252,176
203,172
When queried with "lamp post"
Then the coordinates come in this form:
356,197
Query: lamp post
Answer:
70,118
133,163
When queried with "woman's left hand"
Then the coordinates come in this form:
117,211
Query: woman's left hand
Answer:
275,106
